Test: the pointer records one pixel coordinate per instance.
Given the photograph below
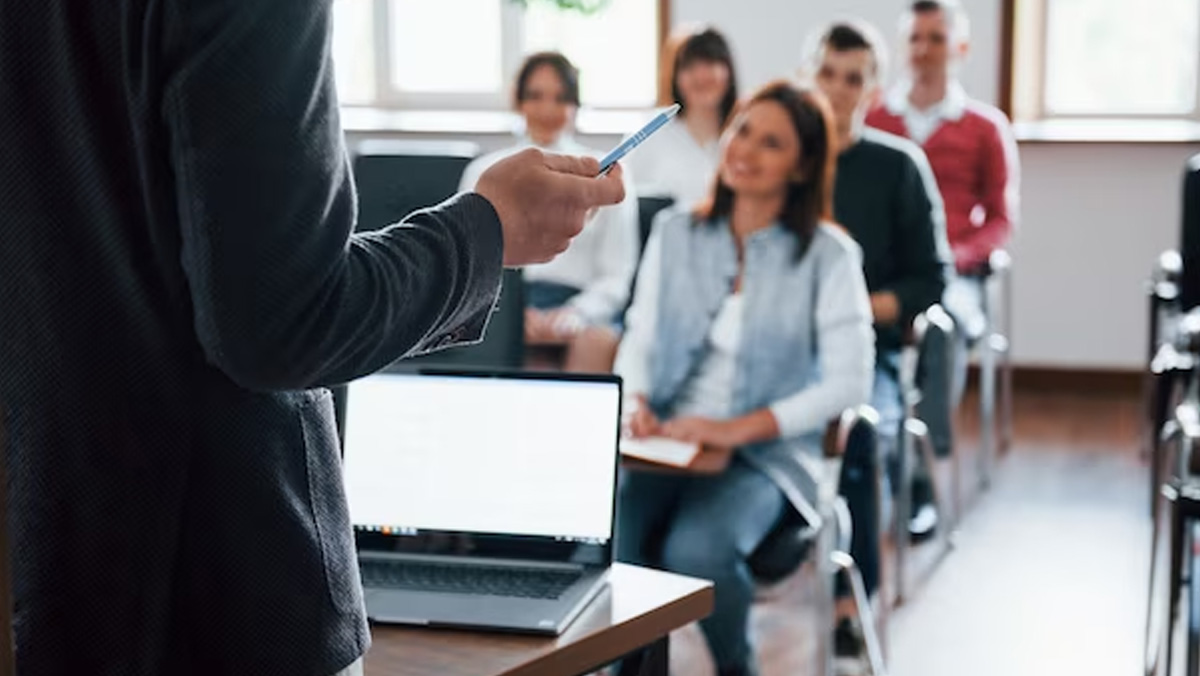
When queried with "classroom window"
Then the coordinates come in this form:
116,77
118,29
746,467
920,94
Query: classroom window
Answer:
423,54
1107,59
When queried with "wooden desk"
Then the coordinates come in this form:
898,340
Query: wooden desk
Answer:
630,619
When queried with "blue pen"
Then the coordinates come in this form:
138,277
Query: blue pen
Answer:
634,141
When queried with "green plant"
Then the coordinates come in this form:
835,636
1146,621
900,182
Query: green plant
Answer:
581,6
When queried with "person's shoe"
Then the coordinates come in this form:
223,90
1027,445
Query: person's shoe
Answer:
849,650
923,523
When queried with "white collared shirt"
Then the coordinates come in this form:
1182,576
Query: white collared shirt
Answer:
922,123
601,260
671,163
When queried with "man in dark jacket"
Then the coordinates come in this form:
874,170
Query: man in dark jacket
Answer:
179,282
886,196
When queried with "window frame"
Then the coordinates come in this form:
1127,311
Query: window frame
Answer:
1025,37
512,39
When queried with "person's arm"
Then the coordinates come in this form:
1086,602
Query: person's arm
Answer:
616,256
641,321
845,349
998,197
283,296
921,245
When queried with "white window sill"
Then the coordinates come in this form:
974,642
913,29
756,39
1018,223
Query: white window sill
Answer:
1107,131
359,119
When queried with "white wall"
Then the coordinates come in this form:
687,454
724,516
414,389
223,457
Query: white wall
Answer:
1094,216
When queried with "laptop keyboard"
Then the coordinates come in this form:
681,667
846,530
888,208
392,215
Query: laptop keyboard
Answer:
482,580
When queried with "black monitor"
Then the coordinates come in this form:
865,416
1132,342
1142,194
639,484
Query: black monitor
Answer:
1189,246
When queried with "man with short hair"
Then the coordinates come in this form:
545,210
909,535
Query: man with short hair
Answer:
181,285
886,197
973,154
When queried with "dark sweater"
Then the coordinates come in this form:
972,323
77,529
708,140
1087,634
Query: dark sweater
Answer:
177,271
887,198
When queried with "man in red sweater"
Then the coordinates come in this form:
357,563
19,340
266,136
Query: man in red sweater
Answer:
973,154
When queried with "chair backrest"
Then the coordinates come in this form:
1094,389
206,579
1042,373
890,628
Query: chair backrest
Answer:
1189,249
396,177
852,438
648,208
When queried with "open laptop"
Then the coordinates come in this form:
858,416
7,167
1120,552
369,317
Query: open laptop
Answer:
482,500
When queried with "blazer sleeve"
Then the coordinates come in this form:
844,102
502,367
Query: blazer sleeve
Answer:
283,295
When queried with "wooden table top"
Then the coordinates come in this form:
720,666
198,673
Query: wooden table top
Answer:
638,606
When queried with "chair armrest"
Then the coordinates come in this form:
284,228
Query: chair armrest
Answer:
1165,276
933,316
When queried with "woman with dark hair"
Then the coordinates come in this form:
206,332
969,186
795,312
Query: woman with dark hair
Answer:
750,330
696,70
576,300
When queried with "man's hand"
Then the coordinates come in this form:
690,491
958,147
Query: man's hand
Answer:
885,308
543,199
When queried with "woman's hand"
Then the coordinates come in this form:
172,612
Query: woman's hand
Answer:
641,421
704,431
551,327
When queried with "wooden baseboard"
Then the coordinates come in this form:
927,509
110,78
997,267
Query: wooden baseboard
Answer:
1090,381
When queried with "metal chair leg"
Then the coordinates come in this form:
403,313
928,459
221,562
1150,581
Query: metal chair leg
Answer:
902,512
1006,367
924,446
862,605
987,410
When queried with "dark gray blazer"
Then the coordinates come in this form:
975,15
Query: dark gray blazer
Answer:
177,283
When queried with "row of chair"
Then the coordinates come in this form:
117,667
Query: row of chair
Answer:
1170,439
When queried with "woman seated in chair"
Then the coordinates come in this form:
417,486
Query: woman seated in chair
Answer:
680,160
750,330
574,301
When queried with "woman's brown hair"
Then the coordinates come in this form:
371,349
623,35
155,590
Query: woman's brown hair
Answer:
684,47
810,194
566,71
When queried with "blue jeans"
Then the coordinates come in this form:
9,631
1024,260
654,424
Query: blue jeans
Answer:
705,527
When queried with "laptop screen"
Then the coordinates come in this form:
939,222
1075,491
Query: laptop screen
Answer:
480,460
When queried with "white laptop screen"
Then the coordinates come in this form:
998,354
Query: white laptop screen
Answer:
487,455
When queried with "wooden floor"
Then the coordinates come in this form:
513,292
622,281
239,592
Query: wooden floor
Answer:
1048,572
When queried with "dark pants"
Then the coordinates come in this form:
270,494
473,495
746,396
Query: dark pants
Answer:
705,527
859,486
861,472
942,379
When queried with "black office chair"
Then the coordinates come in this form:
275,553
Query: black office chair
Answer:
648,208
397,177
995,362
932,338
851,449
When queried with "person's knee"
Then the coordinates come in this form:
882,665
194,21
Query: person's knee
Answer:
592,349
700,552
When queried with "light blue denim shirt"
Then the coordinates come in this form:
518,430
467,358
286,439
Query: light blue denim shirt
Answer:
806,350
